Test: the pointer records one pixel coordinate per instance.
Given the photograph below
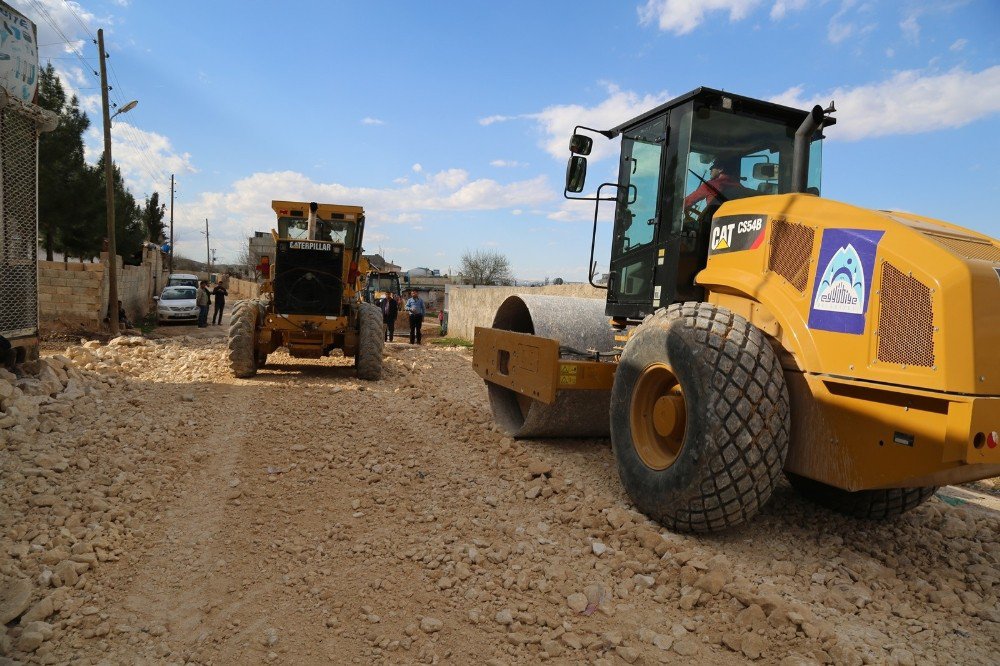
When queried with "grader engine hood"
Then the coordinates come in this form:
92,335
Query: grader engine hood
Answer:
872,295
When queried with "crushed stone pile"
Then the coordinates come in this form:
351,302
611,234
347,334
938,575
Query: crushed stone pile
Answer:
159,510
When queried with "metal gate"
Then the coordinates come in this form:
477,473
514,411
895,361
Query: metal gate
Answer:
20,125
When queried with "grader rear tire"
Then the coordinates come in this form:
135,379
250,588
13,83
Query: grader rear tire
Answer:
371,342
699,418
243,339
865,504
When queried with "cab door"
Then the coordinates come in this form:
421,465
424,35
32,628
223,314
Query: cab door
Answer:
637,220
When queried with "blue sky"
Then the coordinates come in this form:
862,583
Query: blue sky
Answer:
449,121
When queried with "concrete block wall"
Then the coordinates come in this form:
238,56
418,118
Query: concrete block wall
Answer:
241,289
70,292
470,307
75,293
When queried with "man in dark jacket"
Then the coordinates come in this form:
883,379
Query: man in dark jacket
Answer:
220,294
390,309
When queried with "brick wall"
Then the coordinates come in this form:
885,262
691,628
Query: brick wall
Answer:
73,293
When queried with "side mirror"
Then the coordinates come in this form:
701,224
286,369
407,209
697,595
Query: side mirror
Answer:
580,144
576,173
765,171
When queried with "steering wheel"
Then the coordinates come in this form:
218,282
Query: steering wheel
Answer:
691,219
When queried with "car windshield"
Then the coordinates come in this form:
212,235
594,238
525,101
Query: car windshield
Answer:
183,282
178,294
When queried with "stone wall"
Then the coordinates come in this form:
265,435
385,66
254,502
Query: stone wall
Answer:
76,294
241,289
469,307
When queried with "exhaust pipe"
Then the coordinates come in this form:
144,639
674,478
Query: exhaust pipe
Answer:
800,152
312,215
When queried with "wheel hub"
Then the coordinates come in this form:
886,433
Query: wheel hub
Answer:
658,417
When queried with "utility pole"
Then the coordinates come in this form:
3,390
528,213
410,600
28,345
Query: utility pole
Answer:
171,223
109,193
214,260
208,251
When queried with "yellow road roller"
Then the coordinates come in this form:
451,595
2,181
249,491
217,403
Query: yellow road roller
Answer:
753,328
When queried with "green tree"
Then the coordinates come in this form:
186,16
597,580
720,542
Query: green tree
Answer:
61,167
152,218
129,229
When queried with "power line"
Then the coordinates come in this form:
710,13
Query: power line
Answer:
40,8
146,161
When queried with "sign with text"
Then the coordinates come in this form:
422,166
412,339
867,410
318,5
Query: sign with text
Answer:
18,55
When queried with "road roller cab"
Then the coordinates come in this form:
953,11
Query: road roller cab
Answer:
759,328
311,297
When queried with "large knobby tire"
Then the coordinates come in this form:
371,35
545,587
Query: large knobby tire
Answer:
243,338
371,342
262,305
877,504
699,418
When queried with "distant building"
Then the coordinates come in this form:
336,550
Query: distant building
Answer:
379,263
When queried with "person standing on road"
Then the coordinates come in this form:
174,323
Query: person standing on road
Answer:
415,307
390,310
220,294
203,300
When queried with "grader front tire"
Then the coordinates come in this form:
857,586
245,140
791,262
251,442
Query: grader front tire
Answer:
371,342
699,418
243,339
877,504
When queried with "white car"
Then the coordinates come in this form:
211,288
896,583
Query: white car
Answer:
177,303
182,280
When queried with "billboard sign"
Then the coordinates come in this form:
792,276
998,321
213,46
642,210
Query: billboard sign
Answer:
18,55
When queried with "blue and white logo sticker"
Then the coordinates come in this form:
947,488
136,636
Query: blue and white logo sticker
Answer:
843,280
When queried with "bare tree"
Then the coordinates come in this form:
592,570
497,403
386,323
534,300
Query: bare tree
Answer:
486,267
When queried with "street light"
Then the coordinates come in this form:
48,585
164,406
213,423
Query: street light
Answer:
125,109
109,189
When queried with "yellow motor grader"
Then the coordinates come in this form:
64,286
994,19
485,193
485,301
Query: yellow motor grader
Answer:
753,328
310,300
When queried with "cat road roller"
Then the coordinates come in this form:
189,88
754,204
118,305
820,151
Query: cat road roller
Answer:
753,328
310,300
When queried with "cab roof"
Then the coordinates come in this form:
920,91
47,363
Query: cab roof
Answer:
714,98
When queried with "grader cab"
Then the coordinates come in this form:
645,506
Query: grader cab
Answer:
752,328
310,300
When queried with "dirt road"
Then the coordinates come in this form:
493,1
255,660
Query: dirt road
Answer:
303,516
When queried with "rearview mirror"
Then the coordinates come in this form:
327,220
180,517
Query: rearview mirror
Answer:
580,144
765,171
576,173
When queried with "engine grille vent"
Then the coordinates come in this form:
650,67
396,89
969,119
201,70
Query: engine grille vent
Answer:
791,247
905,320
970,249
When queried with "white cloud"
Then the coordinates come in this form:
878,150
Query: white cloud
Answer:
508,163
417,168
237,212
368,120
910,102
557,122
489,120
682,16
911,28
959,44
146,159
840,27
782,7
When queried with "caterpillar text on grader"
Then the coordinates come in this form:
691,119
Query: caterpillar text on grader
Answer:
764,329
311,297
